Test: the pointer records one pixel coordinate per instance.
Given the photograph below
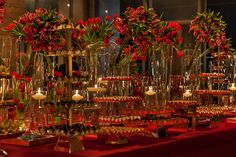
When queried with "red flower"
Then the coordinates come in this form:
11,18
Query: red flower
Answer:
179,40
145,33
2,3
179,54
74,35
57,74
143,58
27,79
94,28
90,21
40,11
10,27
98,20
119,41
158,39
106,41
169,35
22,86
173,33
28,90
16,101
26,63
20,106
51,85
59,91
126,50
13,74
107,18
115,16
166,40
81,32
18,76
80,22
174,25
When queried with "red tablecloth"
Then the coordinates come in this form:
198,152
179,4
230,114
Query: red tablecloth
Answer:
220,141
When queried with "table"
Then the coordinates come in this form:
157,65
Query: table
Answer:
219,140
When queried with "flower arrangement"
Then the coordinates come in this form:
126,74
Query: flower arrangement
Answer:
140,27
209,27
94,31
144,31
169,36
37,29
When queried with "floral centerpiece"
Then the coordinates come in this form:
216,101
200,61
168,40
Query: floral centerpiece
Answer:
169,37
37,29
139,27
93,31
208,27
144,31
95,36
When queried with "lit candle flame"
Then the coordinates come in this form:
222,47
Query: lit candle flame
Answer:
232,88
39,91
187,93
150,88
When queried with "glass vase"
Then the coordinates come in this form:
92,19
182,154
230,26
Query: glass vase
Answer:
22,89
38,73
102,58
164,66
21,122
191,69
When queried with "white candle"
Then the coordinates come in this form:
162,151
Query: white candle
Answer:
39,91
187,93
233,88
150,91
39,95
96,89
77,96
102,81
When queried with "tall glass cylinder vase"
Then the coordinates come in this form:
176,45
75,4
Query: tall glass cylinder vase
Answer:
102,59
164,65
191,69
38,74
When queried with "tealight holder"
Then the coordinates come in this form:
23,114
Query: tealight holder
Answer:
96,88
150,91
150,97
77,96
39,96
232,87
187,93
